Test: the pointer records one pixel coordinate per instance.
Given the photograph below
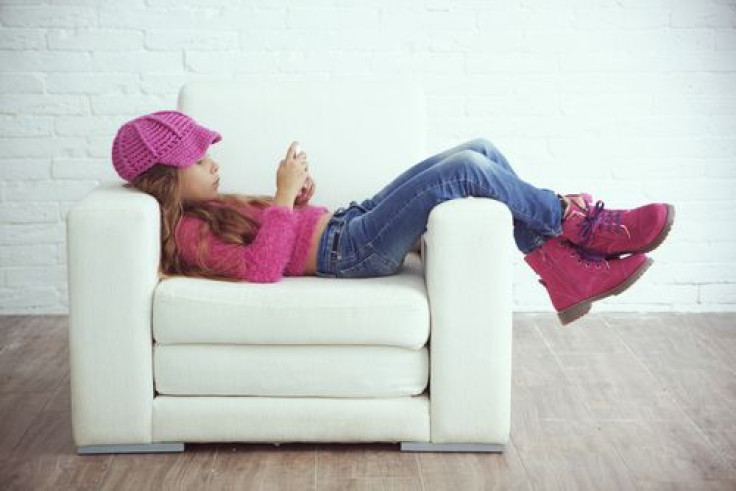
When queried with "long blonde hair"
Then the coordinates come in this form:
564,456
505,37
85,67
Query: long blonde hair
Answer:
226,216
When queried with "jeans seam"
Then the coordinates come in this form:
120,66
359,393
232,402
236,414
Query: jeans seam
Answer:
526,217
347,257
380,232
408,203
538,242
392,264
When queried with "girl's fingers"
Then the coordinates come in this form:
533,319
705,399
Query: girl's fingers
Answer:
291,150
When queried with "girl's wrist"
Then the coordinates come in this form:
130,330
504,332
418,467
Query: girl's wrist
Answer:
282,199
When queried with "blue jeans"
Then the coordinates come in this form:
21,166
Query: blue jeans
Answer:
372,238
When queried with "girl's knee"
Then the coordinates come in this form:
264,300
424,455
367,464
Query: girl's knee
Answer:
469,162
488,149
473,158
481,144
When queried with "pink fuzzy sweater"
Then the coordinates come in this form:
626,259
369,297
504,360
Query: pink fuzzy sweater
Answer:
280,248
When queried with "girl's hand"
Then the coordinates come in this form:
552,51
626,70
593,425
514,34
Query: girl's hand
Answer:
306,192
292,173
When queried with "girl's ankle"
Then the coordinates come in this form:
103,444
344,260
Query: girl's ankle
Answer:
564,205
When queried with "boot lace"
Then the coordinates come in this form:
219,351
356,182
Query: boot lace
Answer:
598,218
587,256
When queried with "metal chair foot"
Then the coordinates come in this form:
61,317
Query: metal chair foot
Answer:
451,447
131,448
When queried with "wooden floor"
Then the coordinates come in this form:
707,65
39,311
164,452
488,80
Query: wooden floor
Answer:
612,401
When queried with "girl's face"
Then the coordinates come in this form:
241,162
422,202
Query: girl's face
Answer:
200,181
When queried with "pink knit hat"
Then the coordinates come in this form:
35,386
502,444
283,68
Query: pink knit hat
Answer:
163,137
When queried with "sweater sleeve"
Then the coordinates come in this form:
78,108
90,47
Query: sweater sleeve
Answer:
261,261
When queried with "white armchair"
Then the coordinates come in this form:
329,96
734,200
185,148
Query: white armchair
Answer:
158,363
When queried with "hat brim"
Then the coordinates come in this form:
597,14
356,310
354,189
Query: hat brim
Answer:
197,143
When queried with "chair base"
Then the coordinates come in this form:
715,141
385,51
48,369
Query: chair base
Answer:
131,448
179,447
451,447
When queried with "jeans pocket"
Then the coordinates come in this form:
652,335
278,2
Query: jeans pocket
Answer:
370,266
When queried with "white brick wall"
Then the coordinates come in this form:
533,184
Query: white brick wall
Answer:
631,100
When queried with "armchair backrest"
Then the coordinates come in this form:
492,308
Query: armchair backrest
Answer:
358,134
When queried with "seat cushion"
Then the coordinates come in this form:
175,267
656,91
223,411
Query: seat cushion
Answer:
305,310
317,371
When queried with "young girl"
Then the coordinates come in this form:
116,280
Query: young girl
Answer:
581,251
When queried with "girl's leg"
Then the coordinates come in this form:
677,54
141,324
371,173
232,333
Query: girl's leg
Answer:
478,144
390,229
526,238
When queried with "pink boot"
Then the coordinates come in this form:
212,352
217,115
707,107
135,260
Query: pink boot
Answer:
616,232
575,278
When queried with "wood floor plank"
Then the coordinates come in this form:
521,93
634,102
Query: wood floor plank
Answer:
589,334
371,484
36,356
567,454
264,466
724,440
618,387
533,363
666,340
191,469
17,412
607,403
529,405
527,339
718,332
60,399
46,458
707,396
537,370
667,451
467,471
678,350
8,325
336,461
647,485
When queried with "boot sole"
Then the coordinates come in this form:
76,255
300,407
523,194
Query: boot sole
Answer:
573,313
665,230
657,241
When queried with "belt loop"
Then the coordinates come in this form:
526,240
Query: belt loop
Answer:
334,253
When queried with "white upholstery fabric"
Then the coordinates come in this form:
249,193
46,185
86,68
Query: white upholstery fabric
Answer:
303,336
113,247
469,242
383,311
277,370
284,419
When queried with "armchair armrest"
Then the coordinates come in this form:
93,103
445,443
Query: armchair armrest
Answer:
113,255
468,271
